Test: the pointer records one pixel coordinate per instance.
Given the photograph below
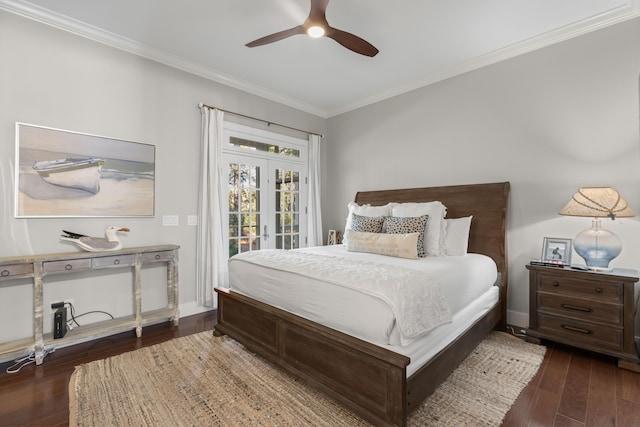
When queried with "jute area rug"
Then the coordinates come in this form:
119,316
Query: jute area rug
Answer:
199,380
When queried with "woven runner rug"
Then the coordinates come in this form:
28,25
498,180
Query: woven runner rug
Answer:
199,380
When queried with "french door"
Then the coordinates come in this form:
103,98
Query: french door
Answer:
266,200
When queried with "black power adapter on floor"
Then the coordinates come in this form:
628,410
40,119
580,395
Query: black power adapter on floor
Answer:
59,323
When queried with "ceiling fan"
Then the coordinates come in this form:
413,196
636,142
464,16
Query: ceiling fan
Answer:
316,25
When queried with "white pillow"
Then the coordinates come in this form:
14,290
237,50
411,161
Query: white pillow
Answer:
456,239
364,210
434,231
396,245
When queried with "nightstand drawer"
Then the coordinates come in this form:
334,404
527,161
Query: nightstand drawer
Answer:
576,332
611,291
585,309
590,310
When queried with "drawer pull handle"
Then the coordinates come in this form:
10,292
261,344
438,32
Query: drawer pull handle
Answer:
576,308
5,273
68,267
599,290
574,329
116,261
157,256
556,284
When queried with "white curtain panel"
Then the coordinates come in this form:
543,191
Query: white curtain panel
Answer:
314,222
211,253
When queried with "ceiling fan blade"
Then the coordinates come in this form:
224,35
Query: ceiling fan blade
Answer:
352,42
277,36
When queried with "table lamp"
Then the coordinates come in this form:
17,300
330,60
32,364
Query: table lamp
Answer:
596,245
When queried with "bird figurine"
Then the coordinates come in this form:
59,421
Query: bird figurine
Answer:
96,244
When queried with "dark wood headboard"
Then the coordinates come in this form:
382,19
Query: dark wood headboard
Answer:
486,202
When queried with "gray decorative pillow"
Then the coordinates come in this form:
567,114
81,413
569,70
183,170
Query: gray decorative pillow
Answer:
404,225
367,224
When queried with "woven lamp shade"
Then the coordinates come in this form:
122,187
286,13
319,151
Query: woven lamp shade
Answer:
597,202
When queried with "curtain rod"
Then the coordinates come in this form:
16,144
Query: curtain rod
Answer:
201,105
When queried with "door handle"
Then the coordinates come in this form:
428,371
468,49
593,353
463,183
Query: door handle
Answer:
265,235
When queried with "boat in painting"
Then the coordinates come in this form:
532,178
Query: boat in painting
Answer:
73,173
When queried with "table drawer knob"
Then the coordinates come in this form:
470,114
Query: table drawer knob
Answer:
556,283
68,267
599,290
574,329
5,273
116,261
157,256
576,308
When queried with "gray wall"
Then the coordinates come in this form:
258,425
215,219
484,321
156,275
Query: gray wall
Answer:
52,78
549,122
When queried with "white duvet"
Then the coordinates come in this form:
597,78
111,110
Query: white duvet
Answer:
337,296
415,299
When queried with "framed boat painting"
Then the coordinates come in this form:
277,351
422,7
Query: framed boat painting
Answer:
61,173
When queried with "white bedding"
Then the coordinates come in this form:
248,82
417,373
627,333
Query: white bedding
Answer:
414,298
424,348
462,280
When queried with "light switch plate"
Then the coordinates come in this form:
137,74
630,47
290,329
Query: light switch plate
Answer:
192,220
170,220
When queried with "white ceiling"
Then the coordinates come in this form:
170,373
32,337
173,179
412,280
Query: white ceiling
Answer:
420,41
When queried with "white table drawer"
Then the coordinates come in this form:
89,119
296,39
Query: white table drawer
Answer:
7,271
157,256
66,265
113,261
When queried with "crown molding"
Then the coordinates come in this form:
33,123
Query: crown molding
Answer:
82,29
614,16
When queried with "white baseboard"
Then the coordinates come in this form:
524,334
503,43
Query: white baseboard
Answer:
191,308
517,318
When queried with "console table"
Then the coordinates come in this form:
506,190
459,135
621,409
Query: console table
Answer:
39,267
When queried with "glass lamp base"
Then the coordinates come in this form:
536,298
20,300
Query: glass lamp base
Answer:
597,246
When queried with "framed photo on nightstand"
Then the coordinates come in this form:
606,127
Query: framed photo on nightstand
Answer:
556,250
332,237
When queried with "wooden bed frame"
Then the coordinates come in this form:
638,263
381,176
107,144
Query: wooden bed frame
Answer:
368,379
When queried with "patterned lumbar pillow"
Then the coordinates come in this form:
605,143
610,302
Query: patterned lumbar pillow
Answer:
403,225
368,224
397,245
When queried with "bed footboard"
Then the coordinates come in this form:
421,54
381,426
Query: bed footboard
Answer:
369,380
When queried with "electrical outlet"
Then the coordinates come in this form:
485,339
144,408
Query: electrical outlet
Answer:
54,305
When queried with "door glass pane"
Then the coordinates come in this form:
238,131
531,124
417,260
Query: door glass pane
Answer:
247,144
244,208
287,208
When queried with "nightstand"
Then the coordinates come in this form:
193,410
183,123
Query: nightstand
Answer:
586,309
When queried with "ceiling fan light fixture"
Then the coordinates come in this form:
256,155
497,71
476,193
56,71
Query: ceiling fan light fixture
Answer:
316,26
315,31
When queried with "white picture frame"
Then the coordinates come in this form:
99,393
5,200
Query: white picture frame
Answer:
557,250
61,173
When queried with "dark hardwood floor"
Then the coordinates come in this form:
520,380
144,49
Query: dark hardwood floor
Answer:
572,387
39,396
578,388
